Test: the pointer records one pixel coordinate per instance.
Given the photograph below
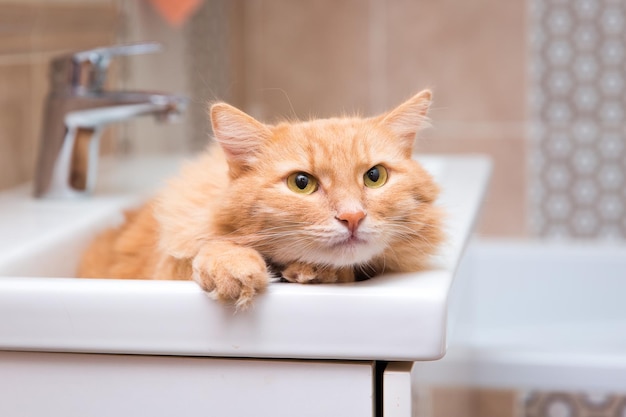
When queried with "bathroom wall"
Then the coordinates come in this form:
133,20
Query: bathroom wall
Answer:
31,33
577,66
279,58
537,85
326,57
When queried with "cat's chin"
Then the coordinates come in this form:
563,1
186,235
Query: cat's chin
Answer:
351,252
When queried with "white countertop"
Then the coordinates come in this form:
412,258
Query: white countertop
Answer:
391,317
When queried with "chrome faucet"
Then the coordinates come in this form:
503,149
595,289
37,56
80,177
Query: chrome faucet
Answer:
76,111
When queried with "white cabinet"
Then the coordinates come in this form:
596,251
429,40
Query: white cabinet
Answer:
79,385
396,390
96,385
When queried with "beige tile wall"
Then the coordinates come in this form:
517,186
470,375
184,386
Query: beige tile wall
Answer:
33,32
470,402
302,59
453,402
325,57
16,132
305,58
472,54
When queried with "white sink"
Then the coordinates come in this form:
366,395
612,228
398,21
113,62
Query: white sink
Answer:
399,317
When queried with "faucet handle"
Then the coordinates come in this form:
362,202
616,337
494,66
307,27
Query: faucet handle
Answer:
87,69
105,53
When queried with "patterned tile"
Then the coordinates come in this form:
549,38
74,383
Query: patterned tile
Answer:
578,113
563,404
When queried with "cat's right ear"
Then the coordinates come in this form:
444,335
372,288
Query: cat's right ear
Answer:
408,118
239,134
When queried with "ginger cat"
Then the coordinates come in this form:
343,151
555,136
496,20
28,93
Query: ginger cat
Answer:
318,201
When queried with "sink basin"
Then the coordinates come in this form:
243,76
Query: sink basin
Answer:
393,317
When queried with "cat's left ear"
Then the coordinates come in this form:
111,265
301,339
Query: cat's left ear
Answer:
409,117
240,135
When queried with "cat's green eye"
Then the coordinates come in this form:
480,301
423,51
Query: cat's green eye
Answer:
302,183
375,177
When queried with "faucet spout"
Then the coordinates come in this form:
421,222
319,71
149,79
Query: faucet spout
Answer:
115,106
77,110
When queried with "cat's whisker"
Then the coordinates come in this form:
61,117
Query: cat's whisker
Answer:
422,245
368,269
418,242
410,240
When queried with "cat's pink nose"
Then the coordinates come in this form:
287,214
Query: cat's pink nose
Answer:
351,220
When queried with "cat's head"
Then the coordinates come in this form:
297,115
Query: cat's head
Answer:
337,192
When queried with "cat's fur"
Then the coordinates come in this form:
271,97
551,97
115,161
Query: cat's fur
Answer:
229,215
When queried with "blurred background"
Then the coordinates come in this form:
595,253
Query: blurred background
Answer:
537,85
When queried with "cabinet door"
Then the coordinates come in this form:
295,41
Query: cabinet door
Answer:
396,380
61,384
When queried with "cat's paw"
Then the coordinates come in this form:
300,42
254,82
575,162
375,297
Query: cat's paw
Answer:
232,273
313,274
